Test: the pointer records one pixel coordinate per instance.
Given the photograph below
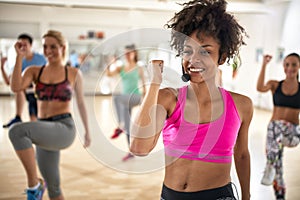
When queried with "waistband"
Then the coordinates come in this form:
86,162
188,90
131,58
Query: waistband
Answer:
56,117
281,121
214,193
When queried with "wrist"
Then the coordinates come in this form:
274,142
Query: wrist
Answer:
19,57
154,85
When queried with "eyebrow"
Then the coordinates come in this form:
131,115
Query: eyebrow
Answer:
203,46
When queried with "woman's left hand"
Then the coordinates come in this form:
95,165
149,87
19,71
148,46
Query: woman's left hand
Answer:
87,140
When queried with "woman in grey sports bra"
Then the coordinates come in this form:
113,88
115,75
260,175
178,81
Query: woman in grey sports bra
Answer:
55,129
283,128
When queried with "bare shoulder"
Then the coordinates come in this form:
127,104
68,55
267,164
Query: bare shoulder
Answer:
167,97
33,68
168,94
273,84
243,104
74,72
32,71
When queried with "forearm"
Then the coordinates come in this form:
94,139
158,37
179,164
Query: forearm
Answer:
16,78
243,172
109,72
145,126
4,75
147,113
83,115
261,78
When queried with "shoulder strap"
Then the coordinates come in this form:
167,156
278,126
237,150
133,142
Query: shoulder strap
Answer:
182,93
182,98
40,73
66,71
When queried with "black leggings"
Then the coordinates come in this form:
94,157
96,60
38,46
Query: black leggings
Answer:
221,193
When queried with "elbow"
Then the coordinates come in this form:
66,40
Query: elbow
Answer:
242,157
15,87
259,89
139,149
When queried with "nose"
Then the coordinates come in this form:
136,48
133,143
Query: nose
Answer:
196,57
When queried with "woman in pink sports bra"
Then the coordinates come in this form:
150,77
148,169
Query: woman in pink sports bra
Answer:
55,128
202,125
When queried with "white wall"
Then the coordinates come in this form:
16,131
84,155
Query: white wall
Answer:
265,31
274,25
74,21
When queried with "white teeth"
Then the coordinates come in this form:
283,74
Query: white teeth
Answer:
196,69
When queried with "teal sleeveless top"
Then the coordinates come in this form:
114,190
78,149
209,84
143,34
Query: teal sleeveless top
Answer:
130,81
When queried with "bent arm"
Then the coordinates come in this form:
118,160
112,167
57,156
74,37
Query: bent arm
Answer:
149,120
20,82
148,123
114,72
4,74
261,86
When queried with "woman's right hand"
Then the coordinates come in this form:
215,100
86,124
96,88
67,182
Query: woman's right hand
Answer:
19,48
267,58
155,69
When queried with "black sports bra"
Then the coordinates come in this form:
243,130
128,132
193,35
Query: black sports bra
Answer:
282,100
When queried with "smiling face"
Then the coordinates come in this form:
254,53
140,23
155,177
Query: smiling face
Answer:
200,57
53,50
291,66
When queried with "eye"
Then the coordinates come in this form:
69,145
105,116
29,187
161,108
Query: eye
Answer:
187,52
203,52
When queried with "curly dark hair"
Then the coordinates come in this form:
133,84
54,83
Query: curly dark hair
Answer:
207,17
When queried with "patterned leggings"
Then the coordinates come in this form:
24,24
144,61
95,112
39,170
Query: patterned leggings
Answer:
280,134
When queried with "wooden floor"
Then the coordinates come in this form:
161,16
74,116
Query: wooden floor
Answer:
97,173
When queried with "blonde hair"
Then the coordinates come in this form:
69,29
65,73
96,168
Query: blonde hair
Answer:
61,40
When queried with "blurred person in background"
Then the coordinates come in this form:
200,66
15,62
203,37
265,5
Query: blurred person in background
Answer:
283,128
29,58
131,95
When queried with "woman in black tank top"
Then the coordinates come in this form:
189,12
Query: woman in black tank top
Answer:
283,129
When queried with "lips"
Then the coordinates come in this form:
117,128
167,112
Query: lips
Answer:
196,70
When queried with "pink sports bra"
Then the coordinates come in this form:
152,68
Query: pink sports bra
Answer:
53,92
209,142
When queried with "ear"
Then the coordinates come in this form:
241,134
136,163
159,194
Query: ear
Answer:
222,59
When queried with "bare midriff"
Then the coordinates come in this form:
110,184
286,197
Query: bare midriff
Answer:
52,108
193,175
288,114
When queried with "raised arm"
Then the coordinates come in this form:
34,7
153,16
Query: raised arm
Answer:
81,107
4,74
109,71
261,86
241,151
149,120
20,82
